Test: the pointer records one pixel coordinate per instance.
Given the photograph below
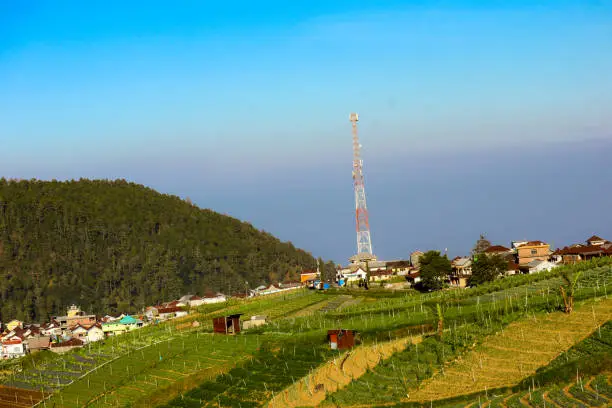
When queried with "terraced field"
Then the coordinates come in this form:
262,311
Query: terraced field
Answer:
593,391
505,359
495,336
157,372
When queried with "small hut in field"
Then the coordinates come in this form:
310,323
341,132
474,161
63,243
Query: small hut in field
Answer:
227,324
340,339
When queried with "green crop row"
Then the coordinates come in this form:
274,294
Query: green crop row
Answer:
276,365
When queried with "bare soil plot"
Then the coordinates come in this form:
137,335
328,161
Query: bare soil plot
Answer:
18,397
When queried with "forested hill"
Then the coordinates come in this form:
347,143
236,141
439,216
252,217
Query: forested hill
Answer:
118,246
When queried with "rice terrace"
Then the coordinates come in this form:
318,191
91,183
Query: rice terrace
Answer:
506,343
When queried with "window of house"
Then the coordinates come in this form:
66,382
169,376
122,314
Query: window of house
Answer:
534,252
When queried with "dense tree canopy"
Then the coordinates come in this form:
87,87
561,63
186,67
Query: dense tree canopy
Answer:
117,246
486,268
434,270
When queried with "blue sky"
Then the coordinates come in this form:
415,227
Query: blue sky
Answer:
243,106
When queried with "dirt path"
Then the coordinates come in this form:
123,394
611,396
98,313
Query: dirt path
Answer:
307,311
548,400
509,364
589,386
338,373
525,400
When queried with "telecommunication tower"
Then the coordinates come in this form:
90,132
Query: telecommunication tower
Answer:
364,242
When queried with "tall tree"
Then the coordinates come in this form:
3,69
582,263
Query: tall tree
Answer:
435,268
486,268
481,245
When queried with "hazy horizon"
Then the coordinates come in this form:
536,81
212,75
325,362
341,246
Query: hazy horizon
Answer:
407,200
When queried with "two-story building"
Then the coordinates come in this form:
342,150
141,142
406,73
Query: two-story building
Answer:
13,348
462,270
73,317
532,251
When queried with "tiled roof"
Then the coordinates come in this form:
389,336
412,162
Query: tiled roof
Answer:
496,248
169,309
589,249
512,266
68,343
462,261
382,272
533,243
398,264
595,238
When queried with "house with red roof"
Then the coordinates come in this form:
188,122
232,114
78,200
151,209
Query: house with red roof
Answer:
88,333
13,348
498,250
213,298
596,241
66,346
595,247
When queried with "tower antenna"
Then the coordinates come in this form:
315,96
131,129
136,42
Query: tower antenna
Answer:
364,242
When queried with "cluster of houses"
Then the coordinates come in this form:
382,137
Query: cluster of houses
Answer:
523,257
527,257
77,328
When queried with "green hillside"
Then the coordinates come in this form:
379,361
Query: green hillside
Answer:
118,246
506,343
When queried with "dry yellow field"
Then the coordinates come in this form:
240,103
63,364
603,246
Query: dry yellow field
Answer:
338,373
508,357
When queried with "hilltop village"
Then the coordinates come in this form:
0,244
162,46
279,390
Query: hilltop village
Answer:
77,328
521,257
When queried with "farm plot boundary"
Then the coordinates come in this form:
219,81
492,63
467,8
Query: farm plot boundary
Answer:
338,373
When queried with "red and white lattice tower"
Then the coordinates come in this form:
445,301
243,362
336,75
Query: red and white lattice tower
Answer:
364,242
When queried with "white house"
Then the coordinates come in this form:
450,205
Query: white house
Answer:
51,329
88,334
540,266
218,298
13,348
79,332
351,274
165,313
414,278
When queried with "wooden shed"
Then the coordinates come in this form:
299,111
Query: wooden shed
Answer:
227,324
341,339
